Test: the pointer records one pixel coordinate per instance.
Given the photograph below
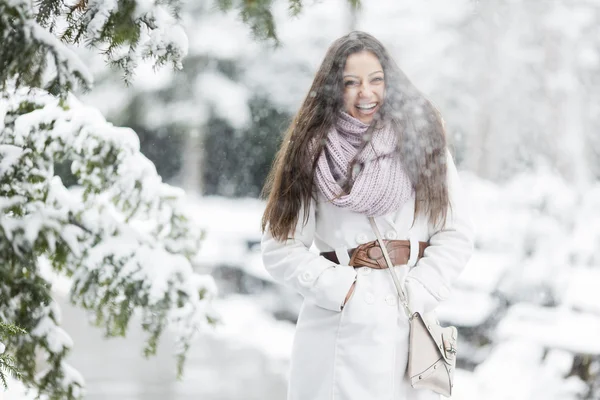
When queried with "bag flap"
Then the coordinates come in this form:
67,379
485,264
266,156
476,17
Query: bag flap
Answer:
436,331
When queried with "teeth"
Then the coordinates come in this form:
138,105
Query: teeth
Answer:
366,106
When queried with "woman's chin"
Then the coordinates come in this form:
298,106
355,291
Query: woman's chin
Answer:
365,117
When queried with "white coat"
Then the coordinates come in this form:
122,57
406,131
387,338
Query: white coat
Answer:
359,352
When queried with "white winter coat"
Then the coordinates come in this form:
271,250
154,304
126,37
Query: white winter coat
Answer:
360,352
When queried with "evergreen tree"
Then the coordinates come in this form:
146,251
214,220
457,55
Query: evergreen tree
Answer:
119,235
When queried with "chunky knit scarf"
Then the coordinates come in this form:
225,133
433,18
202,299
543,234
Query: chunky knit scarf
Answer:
381,186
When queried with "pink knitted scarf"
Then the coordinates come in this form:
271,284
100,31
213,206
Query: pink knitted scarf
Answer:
380,187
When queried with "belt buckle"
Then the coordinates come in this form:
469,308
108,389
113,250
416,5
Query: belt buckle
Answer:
378,260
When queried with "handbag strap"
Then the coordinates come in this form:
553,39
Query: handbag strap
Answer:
401,294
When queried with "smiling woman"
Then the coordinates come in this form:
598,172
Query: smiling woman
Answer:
365,143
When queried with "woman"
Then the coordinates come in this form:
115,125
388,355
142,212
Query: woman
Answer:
365,142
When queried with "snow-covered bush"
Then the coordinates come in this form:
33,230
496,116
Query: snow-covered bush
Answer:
532,284
119,235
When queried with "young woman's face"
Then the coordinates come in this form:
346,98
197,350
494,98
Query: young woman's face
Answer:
364,86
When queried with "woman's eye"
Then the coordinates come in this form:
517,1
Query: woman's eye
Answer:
349,83
378,79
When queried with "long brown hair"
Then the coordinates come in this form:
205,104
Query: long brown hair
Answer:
418,124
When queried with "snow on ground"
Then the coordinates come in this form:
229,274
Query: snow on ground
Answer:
486,279
552,327
467,308
16,391
244,324
582,290
250,345
518,370
237,218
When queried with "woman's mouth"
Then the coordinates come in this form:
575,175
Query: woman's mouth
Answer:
367,109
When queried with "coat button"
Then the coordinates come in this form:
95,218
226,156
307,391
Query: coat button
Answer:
306,276
361,238
365,271
390,299
369,298
391,235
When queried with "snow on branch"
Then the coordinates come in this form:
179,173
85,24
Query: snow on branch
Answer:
26,49
130,31
120,235
34,38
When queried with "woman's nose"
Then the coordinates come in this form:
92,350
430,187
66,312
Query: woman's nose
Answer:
364,89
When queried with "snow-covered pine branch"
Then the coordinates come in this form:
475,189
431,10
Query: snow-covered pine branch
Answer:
120,235
34,34
26,49
129,31
259,16
7,362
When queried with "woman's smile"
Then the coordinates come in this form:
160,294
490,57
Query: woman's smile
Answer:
367,109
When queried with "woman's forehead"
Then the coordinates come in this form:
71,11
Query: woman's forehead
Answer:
362,62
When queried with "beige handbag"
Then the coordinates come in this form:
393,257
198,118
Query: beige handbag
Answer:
430,364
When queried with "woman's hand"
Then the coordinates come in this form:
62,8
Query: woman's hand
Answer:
419,298
349,293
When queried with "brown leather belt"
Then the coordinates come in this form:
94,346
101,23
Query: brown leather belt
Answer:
370,254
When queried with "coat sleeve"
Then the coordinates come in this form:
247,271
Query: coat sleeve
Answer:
292,264
449,250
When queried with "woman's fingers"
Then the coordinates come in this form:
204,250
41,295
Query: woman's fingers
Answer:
350,292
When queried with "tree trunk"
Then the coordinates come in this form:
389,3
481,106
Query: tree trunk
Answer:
190,177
